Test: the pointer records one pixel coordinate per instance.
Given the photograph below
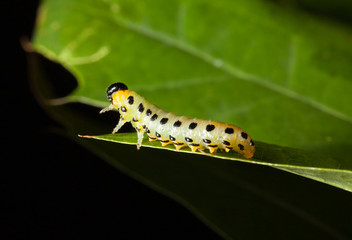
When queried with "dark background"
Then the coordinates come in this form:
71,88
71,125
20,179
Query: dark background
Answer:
52,188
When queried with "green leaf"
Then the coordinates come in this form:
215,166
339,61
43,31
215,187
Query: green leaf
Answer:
326,169
280,74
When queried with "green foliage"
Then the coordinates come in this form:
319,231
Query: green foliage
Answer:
282,75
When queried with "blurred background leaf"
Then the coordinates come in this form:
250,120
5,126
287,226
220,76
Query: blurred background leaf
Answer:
276,71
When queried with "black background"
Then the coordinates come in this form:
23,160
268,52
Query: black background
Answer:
52,188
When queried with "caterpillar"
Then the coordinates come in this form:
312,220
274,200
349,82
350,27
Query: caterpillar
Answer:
169,128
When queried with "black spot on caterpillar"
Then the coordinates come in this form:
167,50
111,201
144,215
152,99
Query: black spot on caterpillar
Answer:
177,123
180,131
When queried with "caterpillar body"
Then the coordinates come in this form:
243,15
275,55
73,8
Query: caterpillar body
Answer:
169,128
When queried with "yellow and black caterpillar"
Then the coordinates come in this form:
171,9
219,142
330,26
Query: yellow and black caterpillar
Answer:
169,128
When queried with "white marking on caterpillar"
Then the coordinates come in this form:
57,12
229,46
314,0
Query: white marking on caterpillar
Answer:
169,128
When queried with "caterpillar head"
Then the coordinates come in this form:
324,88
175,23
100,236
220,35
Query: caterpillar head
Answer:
113,88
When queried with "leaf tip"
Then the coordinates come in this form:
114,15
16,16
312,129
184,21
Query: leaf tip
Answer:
85,136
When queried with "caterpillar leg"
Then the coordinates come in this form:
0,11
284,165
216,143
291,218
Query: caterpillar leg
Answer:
152,138
178,145
121,122
140,134
196,147
213,149
165,142
119,125
106,109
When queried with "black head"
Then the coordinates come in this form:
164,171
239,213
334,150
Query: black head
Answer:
114,88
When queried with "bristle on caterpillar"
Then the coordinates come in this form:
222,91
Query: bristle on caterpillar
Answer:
169,128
